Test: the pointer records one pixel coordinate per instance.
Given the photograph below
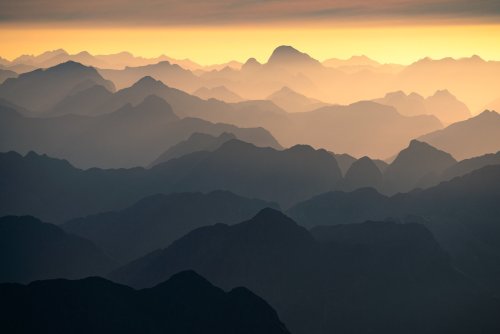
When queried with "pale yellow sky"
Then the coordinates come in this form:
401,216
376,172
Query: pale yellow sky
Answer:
208,45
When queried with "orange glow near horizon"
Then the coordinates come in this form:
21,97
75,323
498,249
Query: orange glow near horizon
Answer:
395,44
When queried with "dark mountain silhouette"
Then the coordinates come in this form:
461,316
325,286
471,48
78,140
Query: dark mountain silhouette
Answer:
56,191
319,286
363,173
31,250
133,135
41,90
461,213
195,143
468,165
442,104
186,303
419,165
158,220
345,161
295,173
470,138
292,101
287,56
220,93
339,207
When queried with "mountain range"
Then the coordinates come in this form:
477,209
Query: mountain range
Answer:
319,286
157,220
132,135
461,213
185,303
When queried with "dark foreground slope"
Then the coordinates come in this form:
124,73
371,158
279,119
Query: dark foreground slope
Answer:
32,250
399,281
186,303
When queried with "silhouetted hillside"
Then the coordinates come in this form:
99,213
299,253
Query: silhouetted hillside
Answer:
186,303
470,138
195,143
31,250
363,173
40,90
317,286
419,165
462,214
156,221
468,165
295,173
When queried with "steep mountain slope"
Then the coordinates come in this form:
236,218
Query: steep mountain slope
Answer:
470,138
419,165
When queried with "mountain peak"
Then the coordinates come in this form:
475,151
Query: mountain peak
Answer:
488,114
148,82
286,54
251,64
188,279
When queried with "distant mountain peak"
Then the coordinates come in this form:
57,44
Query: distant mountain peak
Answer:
416,144
70,64
269,213
188,279
396,94
148,82
251,64
488,114
286,54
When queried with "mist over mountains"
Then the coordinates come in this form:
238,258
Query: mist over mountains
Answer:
334,196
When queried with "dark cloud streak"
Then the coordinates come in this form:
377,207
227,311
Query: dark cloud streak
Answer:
209,12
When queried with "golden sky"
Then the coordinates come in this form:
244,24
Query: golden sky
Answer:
209,45
216,31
